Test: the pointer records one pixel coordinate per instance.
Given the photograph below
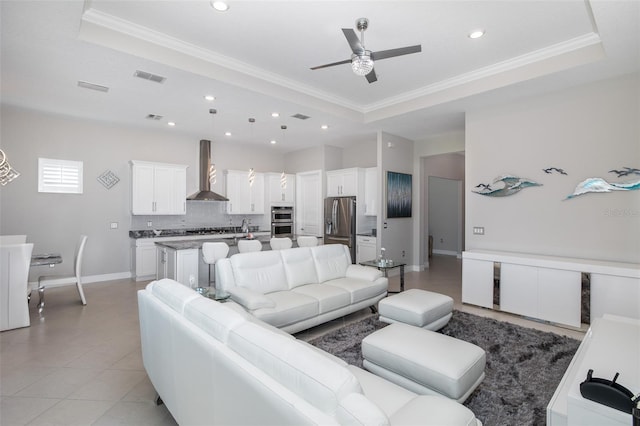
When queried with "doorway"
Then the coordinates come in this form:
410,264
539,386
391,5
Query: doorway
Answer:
445,215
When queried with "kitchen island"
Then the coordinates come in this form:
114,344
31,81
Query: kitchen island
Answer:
144,250
182,261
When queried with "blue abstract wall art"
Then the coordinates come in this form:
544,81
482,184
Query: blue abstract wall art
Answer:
601,185
510,185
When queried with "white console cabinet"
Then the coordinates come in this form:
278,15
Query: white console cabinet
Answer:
550,288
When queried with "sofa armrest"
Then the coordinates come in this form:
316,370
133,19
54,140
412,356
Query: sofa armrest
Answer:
250,299
366,273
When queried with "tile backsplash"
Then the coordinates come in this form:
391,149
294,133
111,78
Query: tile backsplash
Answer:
200,214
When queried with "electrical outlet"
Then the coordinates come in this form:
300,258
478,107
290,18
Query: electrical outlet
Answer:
149,224
402,253
113,225
478,230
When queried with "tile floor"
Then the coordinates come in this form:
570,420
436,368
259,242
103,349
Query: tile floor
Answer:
80,365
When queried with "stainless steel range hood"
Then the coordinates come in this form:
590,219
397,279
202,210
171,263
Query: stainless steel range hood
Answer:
205,193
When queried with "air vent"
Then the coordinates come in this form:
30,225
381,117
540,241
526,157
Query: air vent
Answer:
154,117
148,76
92,86
300,116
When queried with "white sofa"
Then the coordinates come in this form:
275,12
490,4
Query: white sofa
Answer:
298,288
213,363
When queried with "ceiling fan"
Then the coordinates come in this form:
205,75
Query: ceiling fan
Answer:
362,59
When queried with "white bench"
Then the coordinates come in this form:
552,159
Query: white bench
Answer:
423,361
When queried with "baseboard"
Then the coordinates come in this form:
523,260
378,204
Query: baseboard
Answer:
446,252
85,280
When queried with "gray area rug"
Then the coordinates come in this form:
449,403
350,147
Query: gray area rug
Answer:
524,366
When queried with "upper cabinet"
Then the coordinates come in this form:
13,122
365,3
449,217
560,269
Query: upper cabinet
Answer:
158,188
281,192
244,198
342,182
371,191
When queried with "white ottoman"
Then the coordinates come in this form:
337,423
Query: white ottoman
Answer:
424,361
421,308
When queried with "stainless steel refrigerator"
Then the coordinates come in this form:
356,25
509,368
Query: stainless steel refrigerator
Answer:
340,222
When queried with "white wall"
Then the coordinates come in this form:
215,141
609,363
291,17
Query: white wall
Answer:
53,222
586,131
396,235
361,154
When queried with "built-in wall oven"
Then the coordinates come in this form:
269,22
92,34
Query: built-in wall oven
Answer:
282,221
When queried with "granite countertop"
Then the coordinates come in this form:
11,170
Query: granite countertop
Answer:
197,244
161,233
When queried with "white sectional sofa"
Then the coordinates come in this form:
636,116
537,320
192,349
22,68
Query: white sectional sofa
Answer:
213,363
298,288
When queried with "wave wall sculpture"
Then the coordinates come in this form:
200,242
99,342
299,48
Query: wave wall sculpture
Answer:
601,185
511,185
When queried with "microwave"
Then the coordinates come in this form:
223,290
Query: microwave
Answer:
281,214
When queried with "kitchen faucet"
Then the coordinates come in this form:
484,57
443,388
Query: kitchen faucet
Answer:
244,227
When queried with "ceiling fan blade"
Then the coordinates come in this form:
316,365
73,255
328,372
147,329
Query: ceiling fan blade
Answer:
353,40
346,61
371,77
384,54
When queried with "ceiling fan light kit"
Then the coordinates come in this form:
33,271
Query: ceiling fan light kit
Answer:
362,64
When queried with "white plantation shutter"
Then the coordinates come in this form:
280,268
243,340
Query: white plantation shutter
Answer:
62,176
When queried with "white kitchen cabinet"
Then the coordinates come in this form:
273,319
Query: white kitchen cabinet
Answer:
343,182
365,248
309,203
158,188
145,259
371,191
243,197
279,196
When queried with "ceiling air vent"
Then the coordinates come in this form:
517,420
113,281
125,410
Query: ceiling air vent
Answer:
154,117
148,76
92,86
300,116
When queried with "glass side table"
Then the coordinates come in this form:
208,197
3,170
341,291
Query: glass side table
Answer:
213,293
384,266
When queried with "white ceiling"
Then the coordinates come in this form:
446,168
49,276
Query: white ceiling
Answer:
256,59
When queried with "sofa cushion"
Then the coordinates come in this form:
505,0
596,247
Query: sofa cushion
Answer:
299,267
291,307
250,299
260,271
307,373
361,290
172,295
213,317
329,297
363,272
331,261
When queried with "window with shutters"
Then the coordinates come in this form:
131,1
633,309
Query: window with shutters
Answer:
60,176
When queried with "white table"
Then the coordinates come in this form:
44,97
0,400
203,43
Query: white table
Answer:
611,345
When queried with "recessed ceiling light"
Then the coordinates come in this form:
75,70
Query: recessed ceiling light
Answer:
171,123
476,34
273,142
220,6
275,114
227,133
324,127
209,98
